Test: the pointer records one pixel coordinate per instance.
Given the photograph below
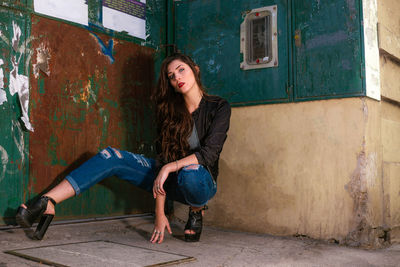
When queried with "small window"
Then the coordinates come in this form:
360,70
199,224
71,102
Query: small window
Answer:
258,35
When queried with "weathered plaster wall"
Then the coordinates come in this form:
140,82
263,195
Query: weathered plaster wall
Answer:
389,45
302,168
389,26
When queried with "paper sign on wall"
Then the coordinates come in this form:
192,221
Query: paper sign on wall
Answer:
125,15
71,10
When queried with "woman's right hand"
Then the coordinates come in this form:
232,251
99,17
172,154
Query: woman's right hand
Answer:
158,185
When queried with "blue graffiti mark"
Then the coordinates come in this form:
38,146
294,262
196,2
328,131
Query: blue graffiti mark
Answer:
106,50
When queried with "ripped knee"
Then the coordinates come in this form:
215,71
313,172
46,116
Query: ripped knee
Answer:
192,167
109,152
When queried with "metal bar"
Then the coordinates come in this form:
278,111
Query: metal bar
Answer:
95,219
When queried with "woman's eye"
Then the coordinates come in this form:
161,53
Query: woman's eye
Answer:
171,77
181,69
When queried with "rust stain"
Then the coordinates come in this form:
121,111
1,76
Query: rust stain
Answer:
86,92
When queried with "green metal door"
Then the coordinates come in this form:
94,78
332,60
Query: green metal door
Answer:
209,31
14,159
328,49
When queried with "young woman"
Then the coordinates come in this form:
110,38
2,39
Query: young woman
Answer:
192,129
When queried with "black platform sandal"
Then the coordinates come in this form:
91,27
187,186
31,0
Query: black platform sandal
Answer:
27,216
194,223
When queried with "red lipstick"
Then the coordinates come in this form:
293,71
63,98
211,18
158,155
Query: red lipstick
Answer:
181,84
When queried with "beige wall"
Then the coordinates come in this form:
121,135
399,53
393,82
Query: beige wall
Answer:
300,168
389,44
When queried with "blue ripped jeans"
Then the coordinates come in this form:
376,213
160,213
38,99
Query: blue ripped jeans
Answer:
193,185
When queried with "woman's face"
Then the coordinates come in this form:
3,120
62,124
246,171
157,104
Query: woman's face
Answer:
181,77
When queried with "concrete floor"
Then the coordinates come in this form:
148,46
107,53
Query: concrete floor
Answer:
217,247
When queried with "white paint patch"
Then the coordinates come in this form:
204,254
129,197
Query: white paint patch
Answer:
16,37
3,162
19,140
3,95
20,83
1,74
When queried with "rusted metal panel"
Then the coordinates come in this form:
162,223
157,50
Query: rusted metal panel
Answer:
88,91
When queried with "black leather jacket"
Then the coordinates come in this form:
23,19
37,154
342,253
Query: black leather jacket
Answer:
212,119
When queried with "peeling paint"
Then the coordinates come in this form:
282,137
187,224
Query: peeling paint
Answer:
3,94
1,74
18,136
106,50
364,177
16,37
42,61
20,84
4,161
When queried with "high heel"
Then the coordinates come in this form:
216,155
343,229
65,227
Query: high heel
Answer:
27,216
42,226
194,223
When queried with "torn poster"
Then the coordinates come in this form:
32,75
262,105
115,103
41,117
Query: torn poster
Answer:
125,15
42,61
71,10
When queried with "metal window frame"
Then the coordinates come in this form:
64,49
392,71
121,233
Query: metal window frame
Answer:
245,35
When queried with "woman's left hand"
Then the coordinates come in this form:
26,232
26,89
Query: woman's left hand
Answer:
158,185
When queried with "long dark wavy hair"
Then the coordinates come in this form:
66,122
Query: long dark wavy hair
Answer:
173,118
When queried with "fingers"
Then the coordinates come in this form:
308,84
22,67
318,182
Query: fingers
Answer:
158,189
152,239
157,235
169,229
161,237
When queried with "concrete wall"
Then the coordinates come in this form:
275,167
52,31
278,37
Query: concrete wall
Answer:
389,45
